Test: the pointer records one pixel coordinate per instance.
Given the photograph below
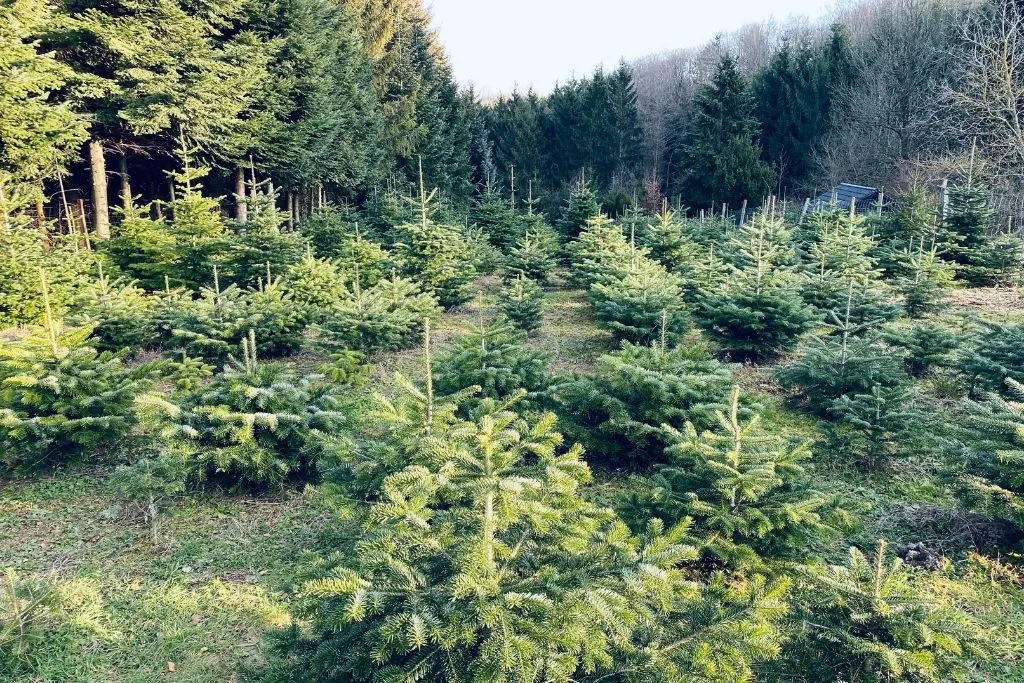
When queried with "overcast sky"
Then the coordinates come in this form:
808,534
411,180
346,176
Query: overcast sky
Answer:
499,44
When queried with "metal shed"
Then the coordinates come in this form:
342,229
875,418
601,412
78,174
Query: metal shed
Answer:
843,193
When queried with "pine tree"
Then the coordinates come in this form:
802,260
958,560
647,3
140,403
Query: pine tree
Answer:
601,253
968,220
743,486
645,304
617,411
670,245
60,398
491,355
583,207
875,620
436,255
992,435
522,303
256,424
316,284
386,317
497,217
760,313
720,161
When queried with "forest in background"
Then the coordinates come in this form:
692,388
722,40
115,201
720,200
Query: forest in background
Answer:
339,100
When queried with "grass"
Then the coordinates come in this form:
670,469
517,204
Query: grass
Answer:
194,607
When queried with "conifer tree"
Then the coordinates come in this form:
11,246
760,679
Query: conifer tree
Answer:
744,487
849,360
720,161
522,303
760,313
316,285
256,424
119,314
497,217
533,257
466,504
669,244
490,355
926,346
995,355
601,253
583,207
874,620
927,276
59,397
436,255
991,477
386,317
644,304
617,411
872,428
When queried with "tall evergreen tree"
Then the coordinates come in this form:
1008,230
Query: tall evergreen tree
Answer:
721,161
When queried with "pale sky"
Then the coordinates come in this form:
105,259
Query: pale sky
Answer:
498,44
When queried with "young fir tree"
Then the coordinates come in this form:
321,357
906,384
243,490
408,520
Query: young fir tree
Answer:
875,620
926,347
60,398
496,216
760,313
874,427
849,360
386,317
669,244
256,424
617,411
582,208
119,314
491,355
840,252
991,436
641,303
744,487
601,252
522,302
993,356
436,255
926,278
968,222
533,257
316,285
461,510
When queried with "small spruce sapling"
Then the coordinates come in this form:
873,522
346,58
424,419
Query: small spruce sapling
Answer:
522,302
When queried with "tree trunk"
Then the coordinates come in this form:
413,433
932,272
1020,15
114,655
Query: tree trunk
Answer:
241,208
126,186
291,210
100,206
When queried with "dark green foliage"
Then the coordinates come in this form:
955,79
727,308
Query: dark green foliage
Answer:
328,229
927,277
120,315
465,504
874,620
496,217
491,355
617,411
22,252
255,425
968,219
744,487
436,255
61,399
386,317
760,312
522,302
257,256
642,305
720,161
874,427
316,285
991,473
534,256
670,244
927,347
583,207
993,356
